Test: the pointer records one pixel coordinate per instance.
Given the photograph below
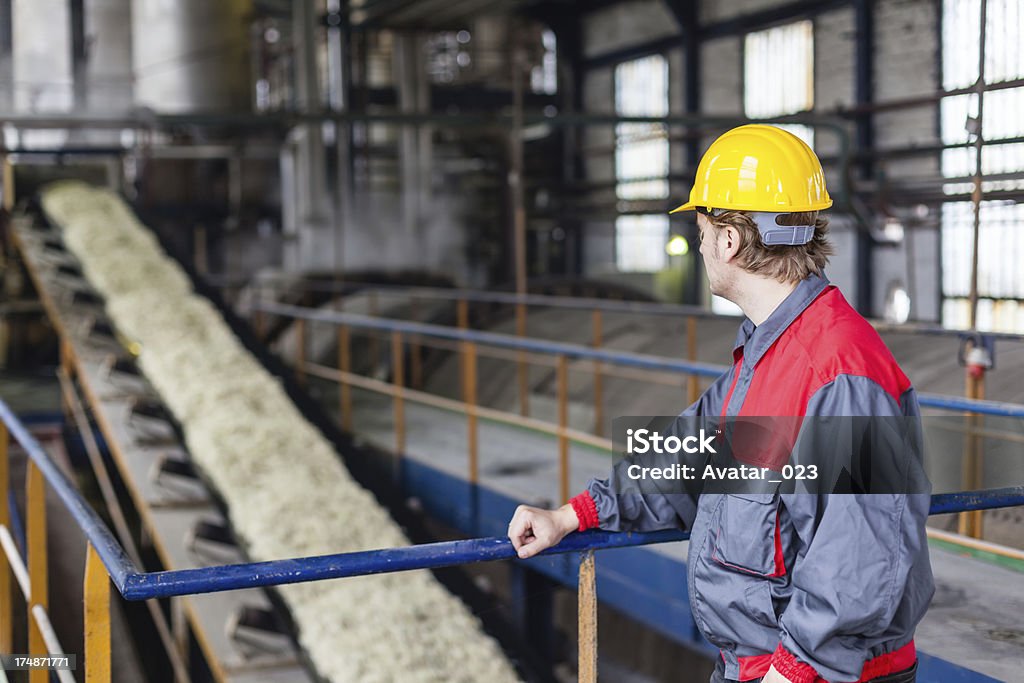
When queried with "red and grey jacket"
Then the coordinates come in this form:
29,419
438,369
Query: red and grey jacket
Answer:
825,587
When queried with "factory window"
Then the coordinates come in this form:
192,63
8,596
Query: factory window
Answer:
785,50
641,163
544,76
1001,246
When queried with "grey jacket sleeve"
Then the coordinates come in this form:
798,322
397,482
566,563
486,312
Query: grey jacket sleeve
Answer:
861,571
619,509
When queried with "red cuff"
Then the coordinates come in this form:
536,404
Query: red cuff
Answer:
786,663
586,511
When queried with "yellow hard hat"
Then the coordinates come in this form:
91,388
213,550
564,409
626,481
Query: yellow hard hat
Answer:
759,168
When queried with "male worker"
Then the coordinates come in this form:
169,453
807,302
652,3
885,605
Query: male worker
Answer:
798,587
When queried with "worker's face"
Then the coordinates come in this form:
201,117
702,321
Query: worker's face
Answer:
717,249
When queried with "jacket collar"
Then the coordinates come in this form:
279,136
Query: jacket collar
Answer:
753,341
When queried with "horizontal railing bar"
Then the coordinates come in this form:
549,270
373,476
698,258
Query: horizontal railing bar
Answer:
985,499
492,338
977,544
53,646
454,405
449,553
627,358
365,562
118,564
586,303
10,549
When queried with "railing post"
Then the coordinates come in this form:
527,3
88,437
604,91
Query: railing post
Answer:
691,355
35,525
6,587
374,336
971,523
523,369
259,317
587,599
598,392
300,350
345,365
8,183
199,258
563,425
96,592
469,398
415,350
398,379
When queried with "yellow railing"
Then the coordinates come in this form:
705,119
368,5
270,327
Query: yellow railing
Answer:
29,573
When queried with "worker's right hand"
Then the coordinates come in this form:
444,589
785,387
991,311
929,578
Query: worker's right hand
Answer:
534,529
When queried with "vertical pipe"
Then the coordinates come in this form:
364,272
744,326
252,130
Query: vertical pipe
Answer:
515,176
693,381
300,350
76,16
689,23
587,599
979,141
96,592
598,389
345,365
35,512
6,587
469,382
970,523
523,369
398,379
563,425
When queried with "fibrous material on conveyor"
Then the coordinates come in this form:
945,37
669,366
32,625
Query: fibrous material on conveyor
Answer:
288,494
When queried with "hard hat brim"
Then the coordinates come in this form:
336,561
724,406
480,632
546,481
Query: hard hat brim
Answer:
818,206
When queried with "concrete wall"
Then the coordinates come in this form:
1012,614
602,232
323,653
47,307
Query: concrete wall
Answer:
906,63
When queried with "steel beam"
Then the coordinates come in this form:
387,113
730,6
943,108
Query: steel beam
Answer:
719,29
864,93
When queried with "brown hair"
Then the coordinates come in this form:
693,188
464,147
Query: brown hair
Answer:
785,263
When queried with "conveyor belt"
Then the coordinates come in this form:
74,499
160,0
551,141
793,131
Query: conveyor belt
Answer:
170,510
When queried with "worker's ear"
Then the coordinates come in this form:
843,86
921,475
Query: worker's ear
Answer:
728,243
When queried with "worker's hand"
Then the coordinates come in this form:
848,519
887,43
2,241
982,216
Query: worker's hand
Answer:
774,676
534,529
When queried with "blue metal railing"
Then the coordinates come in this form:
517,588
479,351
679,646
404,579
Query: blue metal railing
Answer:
651,308
134,584
578,351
